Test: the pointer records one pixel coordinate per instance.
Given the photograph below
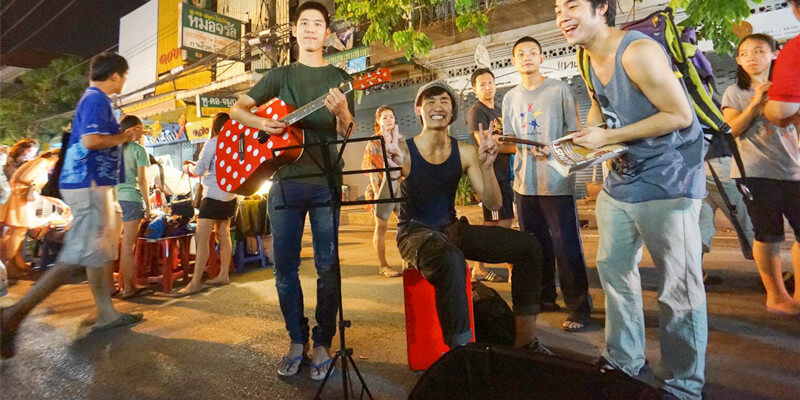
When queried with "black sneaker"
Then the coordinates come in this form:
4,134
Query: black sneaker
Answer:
537,347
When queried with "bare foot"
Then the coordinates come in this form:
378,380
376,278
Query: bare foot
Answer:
219,281
189,289
789,307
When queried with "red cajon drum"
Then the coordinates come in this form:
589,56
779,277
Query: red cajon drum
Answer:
423,333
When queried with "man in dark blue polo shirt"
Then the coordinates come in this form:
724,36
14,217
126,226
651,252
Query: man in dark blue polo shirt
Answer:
91,169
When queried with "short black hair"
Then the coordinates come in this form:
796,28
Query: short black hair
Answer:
431,92
611,14
523,40
129,121
107,64
313,5
478,72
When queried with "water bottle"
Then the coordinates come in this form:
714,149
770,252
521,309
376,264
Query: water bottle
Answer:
3,280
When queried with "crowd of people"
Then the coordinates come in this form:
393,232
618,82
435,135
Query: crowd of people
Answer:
658,195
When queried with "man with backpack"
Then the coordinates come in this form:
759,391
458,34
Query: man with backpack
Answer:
652,195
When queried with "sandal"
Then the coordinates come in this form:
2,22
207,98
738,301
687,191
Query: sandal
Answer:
7,339
488,277
319,371
577,318
124,319
138,292
290,366
389,272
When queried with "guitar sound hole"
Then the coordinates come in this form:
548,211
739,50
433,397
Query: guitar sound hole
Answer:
263,137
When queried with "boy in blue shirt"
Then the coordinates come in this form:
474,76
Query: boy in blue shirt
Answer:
91,169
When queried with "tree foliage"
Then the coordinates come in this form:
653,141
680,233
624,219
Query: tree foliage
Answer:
399,23
42,93
715,19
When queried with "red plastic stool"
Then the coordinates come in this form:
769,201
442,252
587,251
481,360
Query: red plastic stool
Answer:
162,261
424,340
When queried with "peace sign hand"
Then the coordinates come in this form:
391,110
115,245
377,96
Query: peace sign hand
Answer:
487,150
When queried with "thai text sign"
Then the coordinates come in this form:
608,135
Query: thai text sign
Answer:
203,30
210,105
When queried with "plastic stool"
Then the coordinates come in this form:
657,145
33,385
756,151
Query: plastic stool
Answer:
424,339
161,261
241,257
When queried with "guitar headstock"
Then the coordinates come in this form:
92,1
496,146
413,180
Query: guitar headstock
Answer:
373,78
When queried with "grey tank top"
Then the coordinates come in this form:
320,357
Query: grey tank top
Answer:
664,167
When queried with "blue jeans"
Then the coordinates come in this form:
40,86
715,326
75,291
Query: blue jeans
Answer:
671,232
287,234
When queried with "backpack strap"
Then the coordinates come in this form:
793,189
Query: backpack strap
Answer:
584,65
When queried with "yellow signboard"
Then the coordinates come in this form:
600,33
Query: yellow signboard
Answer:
198,131
169,54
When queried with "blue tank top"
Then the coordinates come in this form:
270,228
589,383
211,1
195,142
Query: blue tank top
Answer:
430,189
664,167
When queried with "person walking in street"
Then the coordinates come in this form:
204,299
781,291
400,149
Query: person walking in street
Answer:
90,171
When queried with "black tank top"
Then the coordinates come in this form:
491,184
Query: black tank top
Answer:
430,189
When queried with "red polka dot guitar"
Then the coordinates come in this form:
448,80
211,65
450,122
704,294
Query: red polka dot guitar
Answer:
247,156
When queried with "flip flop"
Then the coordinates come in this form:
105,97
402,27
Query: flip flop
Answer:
488,277
318,371
583,319
7,339
781,313
290,366
124,319
136,293
216,284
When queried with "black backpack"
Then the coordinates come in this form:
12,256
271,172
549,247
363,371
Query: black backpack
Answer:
50,189
494,320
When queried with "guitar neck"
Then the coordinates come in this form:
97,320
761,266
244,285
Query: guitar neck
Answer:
304,111
507,139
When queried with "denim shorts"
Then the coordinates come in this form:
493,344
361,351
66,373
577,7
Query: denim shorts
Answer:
131,210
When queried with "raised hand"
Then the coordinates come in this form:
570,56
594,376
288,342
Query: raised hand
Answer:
760,96
488,149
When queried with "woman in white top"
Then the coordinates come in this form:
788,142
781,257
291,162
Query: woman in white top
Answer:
216,210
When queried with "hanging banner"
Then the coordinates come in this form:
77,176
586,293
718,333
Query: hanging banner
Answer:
209,105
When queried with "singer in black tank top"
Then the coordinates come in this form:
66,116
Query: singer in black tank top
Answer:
431,238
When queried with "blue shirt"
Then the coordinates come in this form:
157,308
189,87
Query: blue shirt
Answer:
82,166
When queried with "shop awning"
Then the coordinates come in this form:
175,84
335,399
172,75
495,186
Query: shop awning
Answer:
153,105
248,78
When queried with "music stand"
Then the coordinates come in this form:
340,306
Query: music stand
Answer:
344,354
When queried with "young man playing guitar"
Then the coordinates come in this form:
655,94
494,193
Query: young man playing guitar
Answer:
430,237
300,83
